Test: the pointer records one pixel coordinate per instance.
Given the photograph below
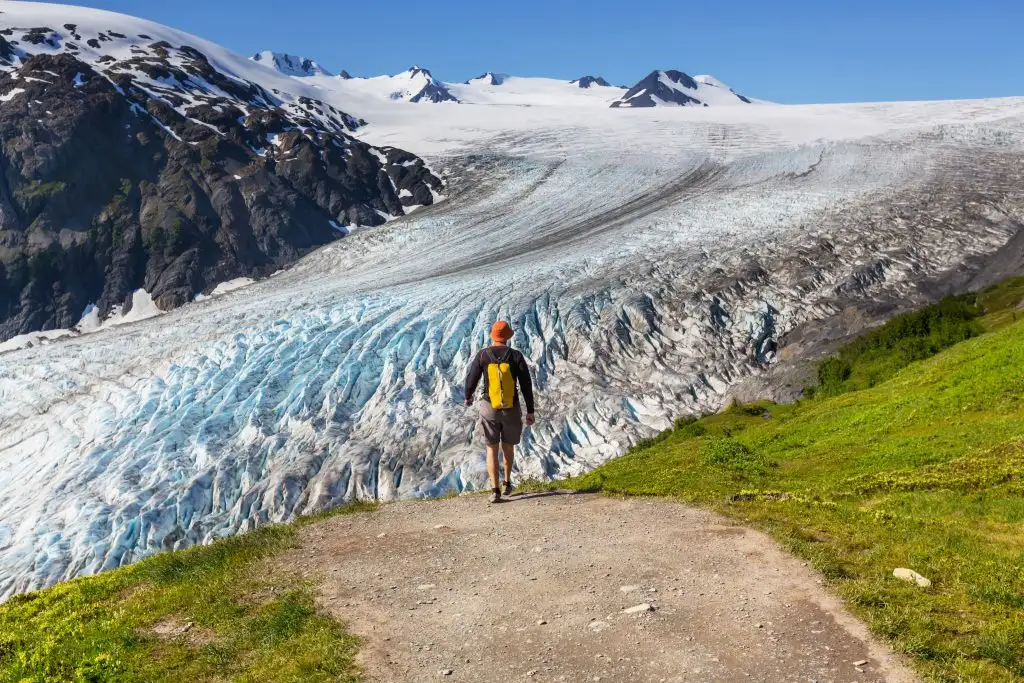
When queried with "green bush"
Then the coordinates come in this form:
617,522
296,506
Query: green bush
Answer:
155,239
176,235
38,188
729,454
881,353
689,426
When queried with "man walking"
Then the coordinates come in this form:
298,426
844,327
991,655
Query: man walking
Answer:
503,370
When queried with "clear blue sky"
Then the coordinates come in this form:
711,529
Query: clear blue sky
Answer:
783,50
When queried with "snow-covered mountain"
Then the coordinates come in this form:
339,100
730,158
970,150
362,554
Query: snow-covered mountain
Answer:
675,88
415,85
290,65
142,158
533,92
649,260
418,85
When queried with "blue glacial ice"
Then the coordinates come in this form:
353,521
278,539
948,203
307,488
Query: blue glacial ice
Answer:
642,287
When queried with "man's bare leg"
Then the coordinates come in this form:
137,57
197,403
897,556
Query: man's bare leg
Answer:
509,451
492,465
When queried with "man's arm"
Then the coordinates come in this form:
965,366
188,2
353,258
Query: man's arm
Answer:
473,379
525,382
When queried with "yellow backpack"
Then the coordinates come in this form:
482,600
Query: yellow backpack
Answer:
501,386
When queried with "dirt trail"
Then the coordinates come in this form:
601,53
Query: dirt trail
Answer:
541,589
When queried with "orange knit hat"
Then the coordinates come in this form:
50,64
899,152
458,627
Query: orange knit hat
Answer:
501,331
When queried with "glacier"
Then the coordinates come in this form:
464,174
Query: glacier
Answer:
648,260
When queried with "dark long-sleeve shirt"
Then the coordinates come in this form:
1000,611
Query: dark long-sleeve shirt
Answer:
517,364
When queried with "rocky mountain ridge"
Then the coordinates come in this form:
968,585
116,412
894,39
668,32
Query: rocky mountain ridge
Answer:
675,88
418,84
132,162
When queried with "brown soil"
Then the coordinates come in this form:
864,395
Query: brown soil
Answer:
539,589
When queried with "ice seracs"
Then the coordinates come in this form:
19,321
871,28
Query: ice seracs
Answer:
675,88
290,65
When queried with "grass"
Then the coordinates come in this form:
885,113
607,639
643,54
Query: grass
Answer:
923,470
37,188
249,622
878,355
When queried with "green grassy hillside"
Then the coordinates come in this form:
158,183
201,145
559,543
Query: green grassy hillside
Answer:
901,463
220,612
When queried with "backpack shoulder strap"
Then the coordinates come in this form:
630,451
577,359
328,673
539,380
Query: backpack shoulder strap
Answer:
507,357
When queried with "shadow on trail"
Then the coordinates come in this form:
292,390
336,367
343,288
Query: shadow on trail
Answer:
518,497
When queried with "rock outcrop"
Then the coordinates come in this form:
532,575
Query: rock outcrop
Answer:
163,173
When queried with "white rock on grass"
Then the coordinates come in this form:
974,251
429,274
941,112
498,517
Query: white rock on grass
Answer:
910,576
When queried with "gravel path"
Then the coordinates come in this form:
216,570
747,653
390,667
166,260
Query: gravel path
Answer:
567,587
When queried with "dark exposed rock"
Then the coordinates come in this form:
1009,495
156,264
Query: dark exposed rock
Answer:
643,93
491,78
39,36
588,81
433,91
115,189
7,52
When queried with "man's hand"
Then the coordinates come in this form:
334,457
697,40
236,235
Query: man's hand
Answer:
530,419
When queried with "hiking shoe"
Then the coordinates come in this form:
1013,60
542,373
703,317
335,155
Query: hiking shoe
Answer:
508,488
496,497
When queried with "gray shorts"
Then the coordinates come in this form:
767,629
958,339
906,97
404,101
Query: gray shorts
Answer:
500,426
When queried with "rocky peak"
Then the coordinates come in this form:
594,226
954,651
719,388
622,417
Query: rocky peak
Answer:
489,78
588,81
660,88
290,65
417,84
675,88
